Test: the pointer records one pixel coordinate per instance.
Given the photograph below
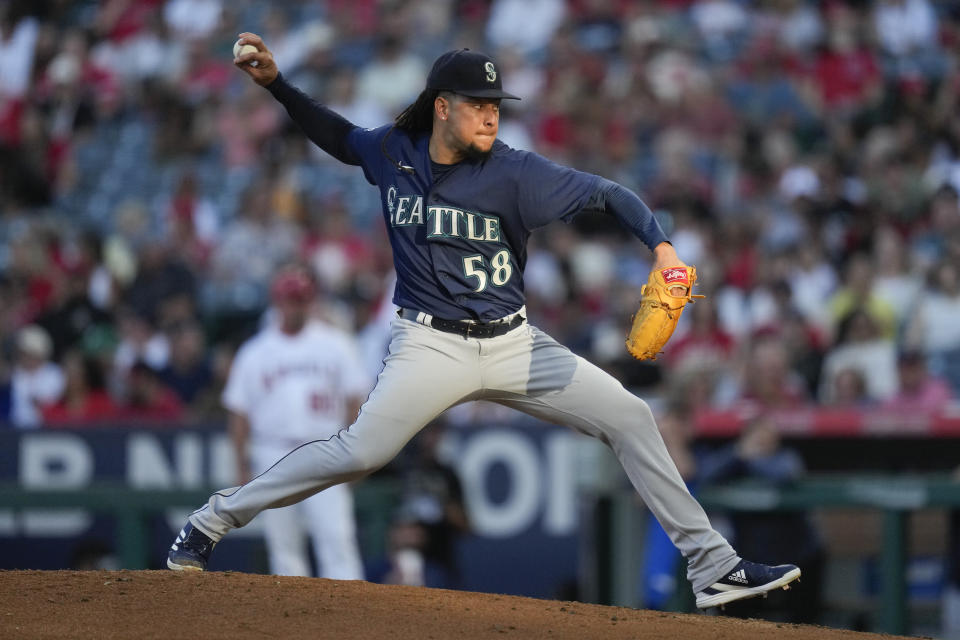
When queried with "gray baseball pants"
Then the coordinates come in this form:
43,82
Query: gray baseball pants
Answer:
427,371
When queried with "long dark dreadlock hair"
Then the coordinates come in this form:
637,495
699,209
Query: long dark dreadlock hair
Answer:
415,119
418,117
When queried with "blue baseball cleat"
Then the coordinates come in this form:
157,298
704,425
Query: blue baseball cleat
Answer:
747,580
190,551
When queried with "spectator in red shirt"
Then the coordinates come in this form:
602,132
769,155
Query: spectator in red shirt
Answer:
148,399
846,74
85,401
704,344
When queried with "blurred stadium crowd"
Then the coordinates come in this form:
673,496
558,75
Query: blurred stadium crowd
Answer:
805,155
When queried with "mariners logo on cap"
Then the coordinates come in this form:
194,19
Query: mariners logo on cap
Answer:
491,72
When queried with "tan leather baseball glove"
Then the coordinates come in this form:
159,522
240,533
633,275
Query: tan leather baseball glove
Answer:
660,309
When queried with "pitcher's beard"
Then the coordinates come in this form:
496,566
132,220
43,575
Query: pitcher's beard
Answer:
473,153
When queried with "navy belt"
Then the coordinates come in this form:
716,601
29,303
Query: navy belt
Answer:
463,327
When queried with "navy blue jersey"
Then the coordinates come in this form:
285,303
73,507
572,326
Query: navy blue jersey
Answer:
459,242
459,237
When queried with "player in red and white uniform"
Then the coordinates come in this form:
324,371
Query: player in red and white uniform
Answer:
298,380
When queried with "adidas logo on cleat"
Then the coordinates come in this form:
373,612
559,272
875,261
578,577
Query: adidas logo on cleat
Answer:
175,546
190,551
738,576
747,580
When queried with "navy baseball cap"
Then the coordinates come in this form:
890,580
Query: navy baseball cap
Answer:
469,73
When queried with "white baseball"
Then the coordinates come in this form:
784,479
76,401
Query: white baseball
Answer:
239,50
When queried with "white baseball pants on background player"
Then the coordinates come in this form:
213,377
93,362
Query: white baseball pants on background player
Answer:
427,371
326,519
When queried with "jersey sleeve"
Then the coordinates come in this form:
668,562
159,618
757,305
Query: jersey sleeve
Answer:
549,191
366,144
238,394
332,132
325,128
629,209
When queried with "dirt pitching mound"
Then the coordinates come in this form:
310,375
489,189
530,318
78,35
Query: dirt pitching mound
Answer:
238,606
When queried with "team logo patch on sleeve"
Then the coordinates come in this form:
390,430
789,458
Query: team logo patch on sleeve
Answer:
675,276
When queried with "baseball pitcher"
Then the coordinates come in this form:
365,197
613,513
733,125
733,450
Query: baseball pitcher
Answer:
459,206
